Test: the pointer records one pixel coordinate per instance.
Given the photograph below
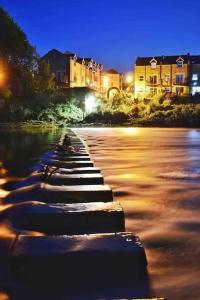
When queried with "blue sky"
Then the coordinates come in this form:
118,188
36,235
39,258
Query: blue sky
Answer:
113,32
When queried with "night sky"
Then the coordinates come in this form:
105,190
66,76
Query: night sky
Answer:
113,32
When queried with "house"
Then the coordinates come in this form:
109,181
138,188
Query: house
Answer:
73,71
111,83
179,74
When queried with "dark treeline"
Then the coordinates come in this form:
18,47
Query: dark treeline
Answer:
27,88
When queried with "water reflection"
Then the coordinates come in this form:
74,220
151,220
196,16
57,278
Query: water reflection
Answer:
19,150
154,173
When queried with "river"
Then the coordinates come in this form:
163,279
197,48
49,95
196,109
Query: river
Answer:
155,174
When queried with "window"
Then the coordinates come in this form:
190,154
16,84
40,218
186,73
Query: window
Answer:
153,79
153,65
195,77
195,90
141,78
61,77
167,78
167,90
179,64
179,79
179,90
153,91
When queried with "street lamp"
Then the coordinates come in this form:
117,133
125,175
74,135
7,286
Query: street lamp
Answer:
129,79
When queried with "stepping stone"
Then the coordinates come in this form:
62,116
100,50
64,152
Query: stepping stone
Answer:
63,153
74,179
58,219
70,158
61,194
61,176
72,259
87,170
69,164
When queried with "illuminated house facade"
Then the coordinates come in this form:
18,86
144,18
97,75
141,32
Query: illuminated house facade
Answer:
72,71
111,83
174,74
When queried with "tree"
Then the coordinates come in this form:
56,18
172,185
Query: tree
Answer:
43,78
17,56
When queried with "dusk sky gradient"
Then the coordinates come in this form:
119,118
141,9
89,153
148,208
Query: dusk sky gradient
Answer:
113,32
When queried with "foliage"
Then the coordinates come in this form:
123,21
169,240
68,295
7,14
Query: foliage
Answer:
24,72
43,78
159,111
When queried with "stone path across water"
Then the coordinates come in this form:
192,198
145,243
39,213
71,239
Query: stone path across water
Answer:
81,250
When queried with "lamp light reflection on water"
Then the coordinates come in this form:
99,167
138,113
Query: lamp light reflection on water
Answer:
129,131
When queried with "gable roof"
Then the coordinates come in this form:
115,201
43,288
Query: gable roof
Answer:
112,71
168,60
66,55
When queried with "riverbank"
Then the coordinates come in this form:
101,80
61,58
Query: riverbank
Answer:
50,125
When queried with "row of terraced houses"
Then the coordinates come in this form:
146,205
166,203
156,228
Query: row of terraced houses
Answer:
72,71
167,74
178,74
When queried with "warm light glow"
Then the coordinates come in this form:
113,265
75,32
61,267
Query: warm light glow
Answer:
4,296
129,131
129,79
6,231
90,104
1,77
106,81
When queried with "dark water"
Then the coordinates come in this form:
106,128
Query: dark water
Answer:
20,149
155,174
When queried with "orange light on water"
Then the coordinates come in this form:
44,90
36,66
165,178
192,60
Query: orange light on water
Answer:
6,231
129,131
3,207
2,76
4,296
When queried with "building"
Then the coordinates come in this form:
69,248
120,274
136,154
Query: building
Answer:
72,71
111,83
174,74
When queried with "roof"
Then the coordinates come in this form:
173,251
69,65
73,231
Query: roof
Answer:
67,55
168,60
112,71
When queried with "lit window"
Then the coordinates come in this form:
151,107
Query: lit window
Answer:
167,78
153,65
167,89
141,78
195,77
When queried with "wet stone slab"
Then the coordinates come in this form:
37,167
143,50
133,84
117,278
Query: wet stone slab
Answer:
78,258
58,219
75,179
64,153
69,164
61,194
70,158
87,170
